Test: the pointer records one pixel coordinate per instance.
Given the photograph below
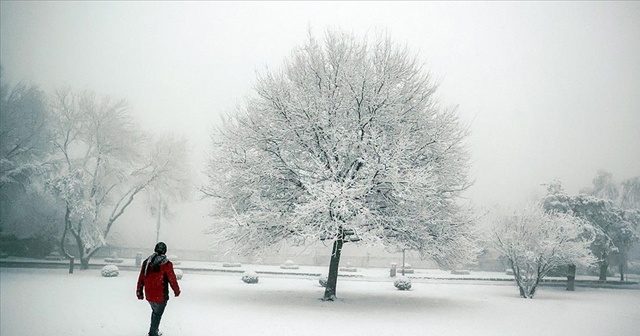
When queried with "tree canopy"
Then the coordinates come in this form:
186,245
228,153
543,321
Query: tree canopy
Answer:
104,160
535,241
346,134
615,227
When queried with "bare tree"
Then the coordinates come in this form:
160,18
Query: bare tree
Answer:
603,186
630,197
344,143
104,162
535,242
167,190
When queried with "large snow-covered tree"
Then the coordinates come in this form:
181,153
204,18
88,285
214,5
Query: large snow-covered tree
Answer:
24,137
345,140
104,161
535,241
614,226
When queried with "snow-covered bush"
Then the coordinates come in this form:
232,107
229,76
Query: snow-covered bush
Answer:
324,278
110,271
175,260
402,283
114,259
54,256
460,272
231,264
348,268
250,277
289,264
179,273
407,269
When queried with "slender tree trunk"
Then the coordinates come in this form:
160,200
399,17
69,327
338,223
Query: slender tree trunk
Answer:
332,279
623,262
604,268
82,252
534,288
159,219
63,246
571,277
516,276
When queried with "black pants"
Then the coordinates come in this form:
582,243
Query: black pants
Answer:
157,309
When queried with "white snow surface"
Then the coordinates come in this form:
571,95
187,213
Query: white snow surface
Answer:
53,302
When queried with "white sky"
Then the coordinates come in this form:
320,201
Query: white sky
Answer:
552,89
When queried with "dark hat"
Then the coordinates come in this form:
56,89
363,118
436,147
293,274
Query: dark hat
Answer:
161,248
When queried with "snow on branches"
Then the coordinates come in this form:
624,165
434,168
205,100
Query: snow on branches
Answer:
535,241
103,160
346,135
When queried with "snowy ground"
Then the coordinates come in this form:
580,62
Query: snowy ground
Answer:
53,302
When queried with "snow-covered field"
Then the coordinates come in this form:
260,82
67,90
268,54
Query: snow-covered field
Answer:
53,302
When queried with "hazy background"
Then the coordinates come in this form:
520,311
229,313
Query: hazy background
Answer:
551,90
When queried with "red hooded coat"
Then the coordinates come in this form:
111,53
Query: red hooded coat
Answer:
156,282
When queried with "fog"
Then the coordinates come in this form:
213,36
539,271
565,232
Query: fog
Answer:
550,90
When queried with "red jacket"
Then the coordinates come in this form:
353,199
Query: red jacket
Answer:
156,282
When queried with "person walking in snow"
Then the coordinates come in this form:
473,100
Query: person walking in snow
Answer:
156,275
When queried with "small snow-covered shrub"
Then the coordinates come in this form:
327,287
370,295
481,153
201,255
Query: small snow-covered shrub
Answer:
250,277
109,271
175,260
348,268
460,272
179,273
324,278
113,259
402,283
289,264
407,269
231,264
54,256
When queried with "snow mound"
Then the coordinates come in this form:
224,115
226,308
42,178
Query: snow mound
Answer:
109,271
250,277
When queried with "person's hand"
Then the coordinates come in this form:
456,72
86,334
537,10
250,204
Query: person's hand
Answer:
140,296
177,293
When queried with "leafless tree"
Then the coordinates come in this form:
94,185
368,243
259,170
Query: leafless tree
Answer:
104,162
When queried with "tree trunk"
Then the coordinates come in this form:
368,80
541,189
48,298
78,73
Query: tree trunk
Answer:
604,268
571,277
532,291
523,294
332,279
623,262
84,262
63,246
516,276
159,219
